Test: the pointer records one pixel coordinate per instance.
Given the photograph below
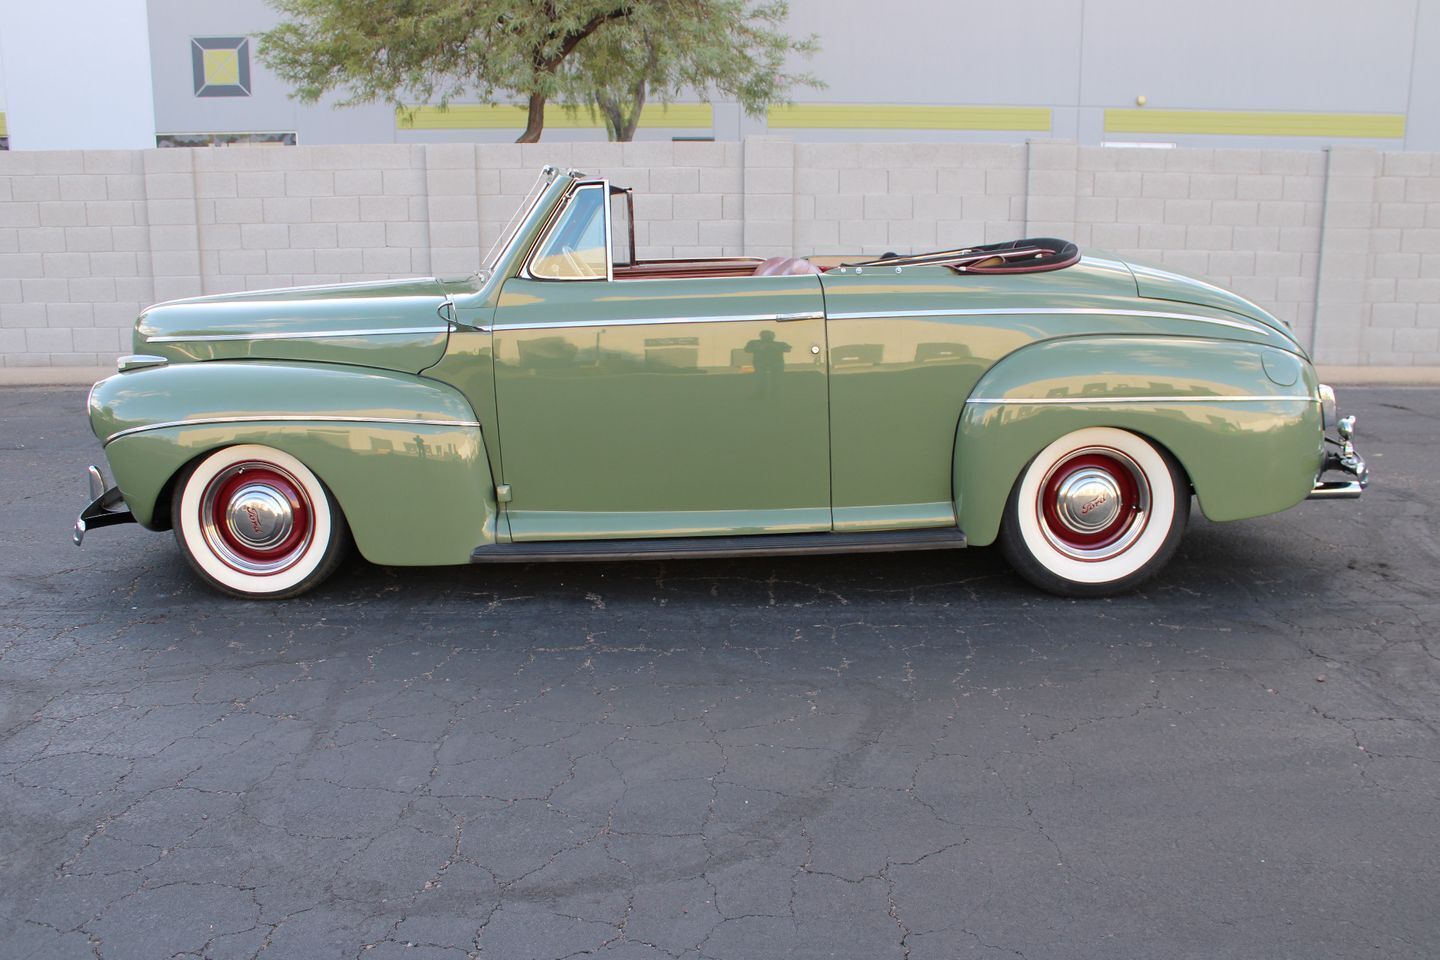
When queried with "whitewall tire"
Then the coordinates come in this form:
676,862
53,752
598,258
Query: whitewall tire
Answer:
256,522
1096,512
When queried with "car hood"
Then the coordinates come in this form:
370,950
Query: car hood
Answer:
1153,283
393,324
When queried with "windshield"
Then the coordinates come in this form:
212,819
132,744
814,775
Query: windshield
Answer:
575,248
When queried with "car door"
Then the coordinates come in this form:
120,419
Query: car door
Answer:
657,408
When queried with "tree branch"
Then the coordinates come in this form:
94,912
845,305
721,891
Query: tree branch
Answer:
572,40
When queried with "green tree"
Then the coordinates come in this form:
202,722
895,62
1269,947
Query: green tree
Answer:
434,51
729,49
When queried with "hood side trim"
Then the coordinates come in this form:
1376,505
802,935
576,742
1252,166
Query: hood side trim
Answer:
265,293
290,418
297,335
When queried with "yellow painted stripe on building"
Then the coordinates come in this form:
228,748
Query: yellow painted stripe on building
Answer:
894,116
495,116
4,130
1256,123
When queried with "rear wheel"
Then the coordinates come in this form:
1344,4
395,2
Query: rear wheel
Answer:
255,522
1096,512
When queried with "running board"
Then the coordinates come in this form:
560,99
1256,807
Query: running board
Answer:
754,545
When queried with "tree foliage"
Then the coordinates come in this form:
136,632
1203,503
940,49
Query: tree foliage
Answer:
726,49
609,53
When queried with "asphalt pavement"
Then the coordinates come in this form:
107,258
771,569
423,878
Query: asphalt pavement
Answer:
860,757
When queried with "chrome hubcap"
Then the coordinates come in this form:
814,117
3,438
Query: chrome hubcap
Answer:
256,518
1094,504
259,517
1087,501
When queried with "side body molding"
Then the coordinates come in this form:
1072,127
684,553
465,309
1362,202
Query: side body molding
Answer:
1250,445
402,455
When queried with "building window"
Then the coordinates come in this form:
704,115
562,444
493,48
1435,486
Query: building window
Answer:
220,66
225,139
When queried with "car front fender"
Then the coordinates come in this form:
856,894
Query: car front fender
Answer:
1243,420
402,455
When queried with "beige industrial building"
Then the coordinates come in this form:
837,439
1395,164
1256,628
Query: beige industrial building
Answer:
1295,73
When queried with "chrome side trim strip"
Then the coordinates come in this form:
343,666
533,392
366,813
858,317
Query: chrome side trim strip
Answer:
299,335
291,418
347,285
1216,398
653,321
1041,311
882,314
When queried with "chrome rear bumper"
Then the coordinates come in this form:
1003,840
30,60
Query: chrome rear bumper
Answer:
1346,459
107,507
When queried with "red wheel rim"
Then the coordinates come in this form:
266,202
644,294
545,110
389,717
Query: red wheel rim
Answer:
1093,504
256,518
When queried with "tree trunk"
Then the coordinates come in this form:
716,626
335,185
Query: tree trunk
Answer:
622,119
610,111
636,105
535,122
626,131
548,65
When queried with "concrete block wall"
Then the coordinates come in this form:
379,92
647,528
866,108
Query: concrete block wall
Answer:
1246,220
76,261
1343,244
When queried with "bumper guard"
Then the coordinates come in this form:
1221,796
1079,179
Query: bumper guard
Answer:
107,508
1345,459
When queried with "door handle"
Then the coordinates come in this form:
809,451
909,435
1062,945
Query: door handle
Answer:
806,315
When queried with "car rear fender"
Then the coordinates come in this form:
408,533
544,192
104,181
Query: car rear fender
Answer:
402,455
1243,420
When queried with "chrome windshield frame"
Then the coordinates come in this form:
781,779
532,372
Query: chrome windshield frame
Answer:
553,221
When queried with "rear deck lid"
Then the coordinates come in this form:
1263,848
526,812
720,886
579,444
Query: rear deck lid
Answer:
1153,283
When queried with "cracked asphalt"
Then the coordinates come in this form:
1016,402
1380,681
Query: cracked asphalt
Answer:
854,757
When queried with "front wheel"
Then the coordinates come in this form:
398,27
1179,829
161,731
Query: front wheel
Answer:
255,522
1096,512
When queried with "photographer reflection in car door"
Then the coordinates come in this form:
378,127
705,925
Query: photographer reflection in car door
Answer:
769,363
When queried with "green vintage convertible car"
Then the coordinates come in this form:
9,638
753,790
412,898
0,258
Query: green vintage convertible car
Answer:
570,401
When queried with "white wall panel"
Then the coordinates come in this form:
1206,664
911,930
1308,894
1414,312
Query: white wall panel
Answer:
76,81
961,51
1300,55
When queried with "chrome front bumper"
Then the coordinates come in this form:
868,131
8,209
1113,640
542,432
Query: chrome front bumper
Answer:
107,507
1346,459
